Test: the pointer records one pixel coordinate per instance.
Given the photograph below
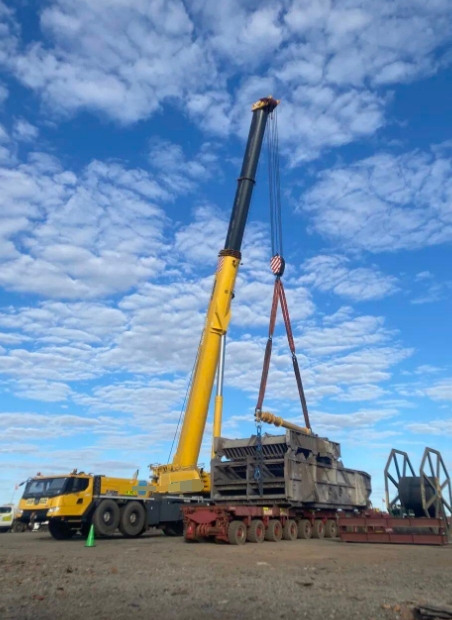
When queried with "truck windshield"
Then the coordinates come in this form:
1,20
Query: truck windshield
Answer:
5,510
44,487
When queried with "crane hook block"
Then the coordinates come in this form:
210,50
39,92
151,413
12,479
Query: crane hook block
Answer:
277,265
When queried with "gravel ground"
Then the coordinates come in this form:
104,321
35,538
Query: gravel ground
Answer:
158,577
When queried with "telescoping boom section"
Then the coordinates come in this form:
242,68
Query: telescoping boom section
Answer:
183,474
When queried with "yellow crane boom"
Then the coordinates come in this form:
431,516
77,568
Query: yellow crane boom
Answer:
183,474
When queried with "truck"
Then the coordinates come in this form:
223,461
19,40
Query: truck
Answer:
72,503
8,519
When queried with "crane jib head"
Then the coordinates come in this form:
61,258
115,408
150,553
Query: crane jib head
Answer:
265,102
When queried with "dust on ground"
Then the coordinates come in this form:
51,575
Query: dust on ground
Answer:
159,577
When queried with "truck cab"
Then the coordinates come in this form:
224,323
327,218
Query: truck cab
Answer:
46,496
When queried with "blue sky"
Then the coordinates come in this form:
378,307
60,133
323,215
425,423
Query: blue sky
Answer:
122,127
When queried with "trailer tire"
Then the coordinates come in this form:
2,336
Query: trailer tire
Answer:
256,531
60,531
290,530
331,529
318,530
273,533
132,520
106,518
304,529
237,533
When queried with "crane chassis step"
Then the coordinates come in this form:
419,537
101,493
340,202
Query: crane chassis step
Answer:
237,524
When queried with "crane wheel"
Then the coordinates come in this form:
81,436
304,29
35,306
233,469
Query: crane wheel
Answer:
59,530
290,530
318,530
331,529
256,531
132,520
304,529
274,532
237,533
106,518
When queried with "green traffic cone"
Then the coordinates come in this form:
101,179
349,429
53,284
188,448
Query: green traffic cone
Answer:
90,540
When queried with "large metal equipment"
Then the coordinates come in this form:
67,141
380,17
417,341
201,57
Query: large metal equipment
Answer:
299,469
426,495
418,506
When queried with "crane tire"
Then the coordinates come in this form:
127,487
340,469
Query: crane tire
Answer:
132,520
237,533
256,531
106,518
318,530
290,530
304,529
59,530
273,533
331,528
174,529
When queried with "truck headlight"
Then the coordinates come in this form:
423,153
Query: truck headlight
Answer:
52,511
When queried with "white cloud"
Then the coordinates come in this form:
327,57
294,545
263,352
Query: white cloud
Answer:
72,237
332,273
328,62
442,390
3,93
433,427
121,59
24,131
385,202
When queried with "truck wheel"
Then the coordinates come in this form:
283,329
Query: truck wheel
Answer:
175,529
18,527
318,531
290,530
273,533
237,533
132,520
106,518
60,531
331,529
304,529
256,531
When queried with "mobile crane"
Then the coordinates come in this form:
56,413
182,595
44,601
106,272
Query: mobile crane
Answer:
73,502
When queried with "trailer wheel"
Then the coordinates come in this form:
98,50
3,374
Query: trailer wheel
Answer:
318,531
304,529
59,530
331,529
237,533
106,518
290,530
256,531
131,523
273,533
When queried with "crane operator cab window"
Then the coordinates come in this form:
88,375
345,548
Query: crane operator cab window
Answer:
51,487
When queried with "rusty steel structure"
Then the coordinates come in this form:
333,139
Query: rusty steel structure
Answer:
299,469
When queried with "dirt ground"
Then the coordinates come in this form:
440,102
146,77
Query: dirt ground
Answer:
158,577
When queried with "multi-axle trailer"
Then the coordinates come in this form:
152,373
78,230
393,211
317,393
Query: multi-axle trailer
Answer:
305,488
